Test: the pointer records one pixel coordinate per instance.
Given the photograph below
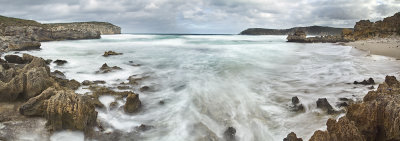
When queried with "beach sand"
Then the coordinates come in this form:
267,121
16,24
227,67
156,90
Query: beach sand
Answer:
379,46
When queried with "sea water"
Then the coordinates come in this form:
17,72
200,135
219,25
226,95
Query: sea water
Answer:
211,82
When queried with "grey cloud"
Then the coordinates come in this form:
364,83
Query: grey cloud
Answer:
202,16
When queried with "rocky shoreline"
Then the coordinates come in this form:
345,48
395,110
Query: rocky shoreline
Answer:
19,34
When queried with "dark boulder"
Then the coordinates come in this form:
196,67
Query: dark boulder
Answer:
132,103
292,137
60,62
229,134
14,59
370,81
105,68
323,104
58,74
296,105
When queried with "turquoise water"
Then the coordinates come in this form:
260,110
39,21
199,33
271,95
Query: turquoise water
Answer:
211,82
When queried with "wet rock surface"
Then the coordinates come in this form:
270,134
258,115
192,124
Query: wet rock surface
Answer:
296,105
292,137
376,118
60,62
106,69
230,134
132,103
370,81
109,53
323,104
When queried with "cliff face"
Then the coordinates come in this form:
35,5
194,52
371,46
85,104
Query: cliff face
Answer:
365,29
19,34
310,30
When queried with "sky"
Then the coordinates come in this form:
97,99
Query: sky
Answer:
202,16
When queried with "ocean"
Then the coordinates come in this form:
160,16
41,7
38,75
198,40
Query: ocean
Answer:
208,83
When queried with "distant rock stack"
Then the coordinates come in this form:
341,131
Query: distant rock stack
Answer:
298,36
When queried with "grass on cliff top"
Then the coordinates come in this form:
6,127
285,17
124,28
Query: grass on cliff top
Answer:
9,21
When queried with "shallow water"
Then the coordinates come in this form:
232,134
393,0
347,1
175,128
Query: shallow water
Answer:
209,83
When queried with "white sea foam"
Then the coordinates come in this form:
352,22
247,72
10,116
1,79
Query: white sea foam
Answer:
209,83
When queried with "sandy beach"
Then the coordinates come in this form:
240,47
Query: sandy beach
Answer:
380,46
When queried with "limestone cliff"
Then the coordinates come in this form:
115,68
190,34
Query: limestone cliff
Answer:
19,34
365,29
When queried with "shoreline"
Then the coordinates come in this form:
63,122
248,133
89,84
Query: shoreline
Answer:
380,46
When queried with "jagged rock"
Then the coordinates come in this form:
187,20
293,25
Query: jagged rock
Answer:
344,102
60,62
37,80
144,88
134,79
108,53
296,105
370,81
323,104
87,83
11,90
292,137
14,59
123,87
366,29
27,58
376,118
48,61
99,91
105,68
71,84
229,134
343,130
63,109
58,74
132,103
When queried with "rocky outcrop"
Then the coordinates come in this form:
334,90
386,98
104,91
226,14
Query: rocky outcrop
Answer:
376,118
63,109
292,137
301,37
296,105
230,134
105,68
132,103
310,30
323,104
24,81
109,53
19,34
366,29
370,81
60,62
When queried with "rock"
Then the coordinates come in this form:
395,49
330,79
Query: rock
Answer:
27,58
143,127
161,102
37,80
144,88
134,79
123,87
292,137
14,59
113,105
60,62
298,36
99,82
87,83
343,130
344,102
229,134
58,74
323,104
296,105
63,109
376,118
132,103
71,84
105,68
11,90
370,81
108,53
48,61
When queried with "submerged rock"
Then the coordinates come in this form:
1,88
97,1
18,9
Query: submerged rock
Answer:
296,105
292,137
105,68
229,134
323,104
60,62
132,103
370,81
58,74
109,53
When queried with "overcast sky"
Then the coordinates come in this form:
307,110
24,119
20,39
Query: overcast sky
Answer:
202,16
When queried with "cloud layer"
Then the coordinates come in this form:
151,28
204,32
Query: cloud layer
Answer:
202,16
